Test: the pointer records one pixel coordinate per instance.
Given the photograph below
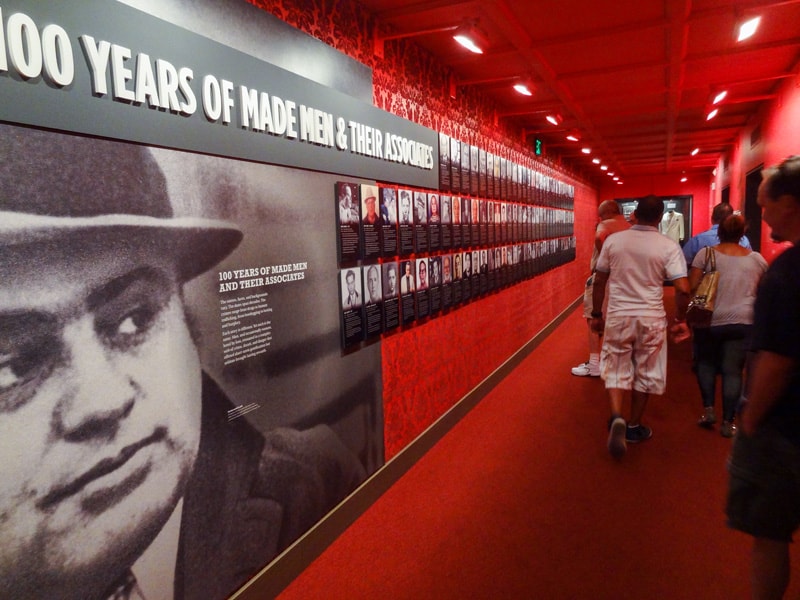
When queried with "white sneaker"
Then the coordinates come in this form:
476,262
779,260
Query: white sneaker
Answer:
584,370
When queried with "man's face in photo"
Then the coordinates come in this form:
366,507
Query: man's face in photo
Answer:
388,205
423,273
446,270
372,282
350,278
419,203
371,207
392,277
405,206
100,401
347,196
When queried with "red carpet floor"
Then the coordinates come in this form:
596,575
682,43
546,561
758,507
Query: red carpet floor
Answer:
522,500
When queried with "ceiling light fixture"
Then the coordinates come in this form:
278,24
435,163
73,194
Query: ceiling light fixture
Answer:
574,137
604,167
472,38
684,179
616,178
380,39
586,150
695,151
748,29
555,119
594,160
719,97
712,114
524,88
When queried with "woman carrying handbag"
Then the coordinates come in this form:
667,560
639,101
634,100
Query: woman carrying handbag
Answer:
720,348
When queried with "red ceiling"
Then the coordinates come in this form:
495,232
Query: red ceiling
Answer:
634,78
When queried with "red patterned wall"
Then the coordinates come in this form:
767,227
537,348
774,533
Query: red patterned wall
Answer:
430,366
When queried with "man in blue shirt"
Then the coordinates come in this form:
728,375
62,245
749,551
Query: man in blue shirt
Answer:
709,237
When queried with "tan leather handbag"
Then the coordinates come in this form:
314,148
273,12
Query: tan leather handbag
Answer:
701,306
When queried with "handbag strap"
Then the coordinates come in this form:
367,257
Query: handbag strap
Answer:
710,257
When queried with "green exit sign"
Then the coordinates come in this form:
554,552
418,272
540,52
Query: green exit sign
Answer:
538,147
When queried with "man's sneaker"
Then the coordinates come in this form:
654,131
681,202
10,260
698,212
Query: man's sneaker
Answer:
728,429
708,419
616,437
637,433
584,370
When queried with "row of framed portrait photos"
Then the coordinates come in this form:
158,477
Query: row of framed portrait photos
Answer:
380,297
385,221
468,169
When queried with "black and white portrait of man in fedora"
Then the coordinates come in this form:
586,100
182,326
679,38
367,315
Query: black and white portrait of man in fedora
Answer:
120,469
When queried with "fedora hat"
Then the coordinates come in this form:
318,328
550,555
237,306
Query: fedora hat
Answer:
57,185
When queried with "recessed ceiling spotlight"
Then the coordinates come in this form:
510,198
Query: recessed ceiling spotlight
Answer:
604,167
616,178
695,151
719,97
594,160
611,173
586,150
523,88
619,183
555,119
573,137
712,114
748,28
684,179
472,38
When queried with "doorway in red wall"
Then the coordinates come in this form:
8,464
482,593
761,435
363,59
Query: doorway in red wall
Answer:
752,211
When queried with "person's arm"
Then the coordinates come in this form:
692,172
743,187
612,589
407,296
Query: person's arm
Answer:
770,373
599,237
679,330
598,295
695,275
682,296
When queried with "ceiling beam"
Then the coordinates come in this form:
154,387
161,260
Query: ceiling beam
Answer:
503,17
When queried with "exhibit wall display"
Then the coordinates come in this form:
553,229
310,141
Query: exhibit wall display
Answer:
676,223
179,398
176,409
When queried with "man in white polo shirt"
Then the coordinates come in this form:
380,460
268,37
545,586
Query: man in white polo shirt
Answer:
633,264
